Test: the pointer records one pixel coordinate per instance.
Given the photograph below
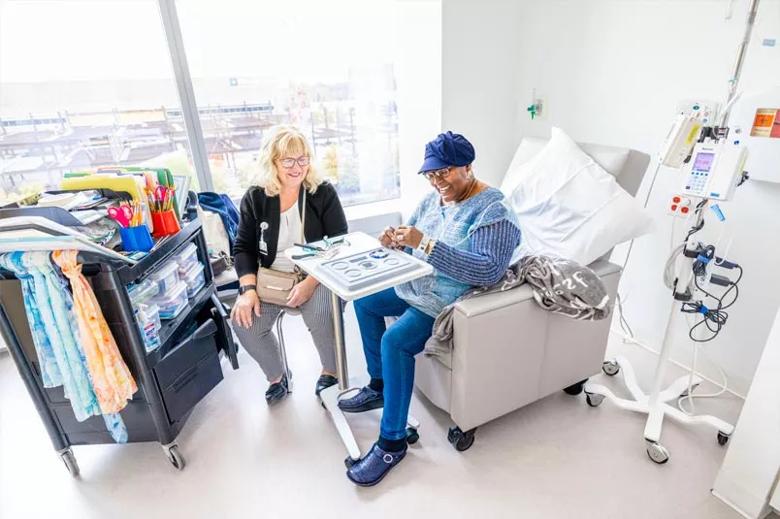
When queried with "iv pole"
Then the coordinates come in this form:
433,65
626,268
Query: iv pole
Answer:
655,404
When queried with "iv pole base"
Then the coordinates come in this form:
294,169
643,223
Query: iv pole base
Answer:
640,403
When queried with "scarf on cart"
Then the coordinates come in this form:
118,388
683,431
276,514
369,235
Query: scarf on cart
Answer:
111,379
49,307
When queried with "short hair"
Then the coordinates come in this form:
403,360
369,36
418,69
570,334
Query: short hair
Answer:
285,140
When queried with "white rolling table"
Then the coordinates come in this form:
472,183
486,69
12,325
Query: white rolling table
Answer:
355,253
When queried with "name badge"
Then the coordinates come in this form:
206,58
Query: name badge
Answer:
262,246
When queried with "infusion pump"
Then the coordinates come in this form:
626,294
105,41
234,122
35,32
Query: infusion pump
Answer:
715,169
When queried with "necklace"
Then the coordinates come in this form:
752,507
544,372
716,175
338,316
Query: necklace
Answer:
469,192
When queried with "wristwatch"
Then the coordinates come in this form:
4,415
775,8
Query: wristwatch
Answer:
243,289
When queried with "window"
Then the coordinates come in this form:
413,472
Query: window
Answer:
326,67
84,84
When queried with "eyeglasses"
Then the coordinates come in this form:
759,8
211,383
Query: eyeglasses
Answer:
439,173
290,162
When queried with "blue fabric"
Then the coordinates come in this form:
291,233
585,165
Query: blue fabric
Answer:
227,211
390,352
454,226
492,249
447,149
48,304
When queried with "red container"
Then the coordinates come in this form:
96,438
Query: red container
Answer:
165,223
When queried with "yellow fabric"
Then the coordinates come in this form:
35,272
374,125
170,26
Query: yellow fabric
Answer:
114,384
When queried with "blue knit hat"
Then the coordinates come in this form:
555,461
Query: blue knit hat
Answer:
448,149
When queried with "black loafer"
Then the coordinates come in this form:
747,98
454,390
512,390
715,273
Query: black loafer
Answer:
277,391
324,382
365,400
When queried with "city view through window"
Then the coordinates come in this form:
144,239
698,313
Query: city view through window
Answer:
100,91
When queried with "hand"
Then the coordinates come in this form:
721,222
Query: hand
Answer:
241,313
302,292
386,238
407,237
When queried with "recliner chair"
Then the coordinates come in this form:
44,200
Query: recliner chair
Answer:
507,351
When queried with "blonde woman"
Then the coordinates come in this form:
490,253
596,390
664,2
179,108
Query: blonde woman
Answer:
271,219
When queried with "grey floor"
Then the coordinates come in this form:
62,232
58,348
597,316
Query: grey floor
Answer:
556,458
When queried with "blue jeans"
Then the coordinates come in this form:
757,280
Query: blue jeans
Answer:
390,352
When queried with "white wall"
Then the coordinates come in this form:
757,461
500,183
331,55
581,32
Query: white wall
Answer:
480,44
419,91
611,72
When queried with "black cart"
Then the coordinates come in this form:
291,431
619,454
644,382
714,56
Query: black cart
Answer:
171,379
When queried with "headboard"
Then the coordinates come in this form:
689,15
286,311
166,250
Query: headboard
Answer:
626,165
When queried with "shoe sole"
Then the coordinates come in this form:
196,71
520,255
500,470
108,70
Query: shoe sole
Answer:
364,408
372,483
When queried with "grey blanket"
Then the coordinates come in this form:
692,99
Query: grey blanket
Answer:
559,285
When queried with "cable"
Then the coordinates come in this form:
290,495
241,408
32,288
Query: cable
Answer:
689,396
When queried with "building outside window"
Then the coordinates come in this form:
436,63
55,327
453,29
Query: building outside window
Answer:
260,63
95,88
84,84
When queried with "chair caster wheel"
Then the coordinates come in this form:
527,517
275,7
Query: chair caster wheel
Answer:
593,399
723,438
348,462
412,436
459,439
575,389
610,367
657,453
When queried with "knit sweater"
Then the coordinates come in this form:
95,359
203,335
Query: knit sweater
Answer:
475,240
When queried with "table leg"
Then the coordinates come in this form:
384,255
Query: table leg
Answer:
330,396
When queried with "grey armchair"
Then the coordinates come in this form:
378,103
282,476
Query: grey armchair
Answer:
507,351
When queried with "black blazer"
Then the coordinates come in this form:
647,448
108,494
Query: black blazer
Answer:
324,217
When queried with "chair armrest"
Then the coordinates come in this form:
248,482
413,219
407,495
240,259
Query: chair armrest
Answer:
489,302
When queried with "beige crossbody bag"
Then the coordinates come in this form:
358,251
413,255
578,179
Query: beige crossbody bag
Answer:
274,286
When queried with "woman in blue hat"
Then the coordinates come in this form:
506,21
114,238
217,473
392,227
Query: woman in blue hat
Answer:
468,235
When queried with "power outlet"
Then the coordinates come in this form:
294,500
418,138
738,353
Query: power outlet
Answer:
681,206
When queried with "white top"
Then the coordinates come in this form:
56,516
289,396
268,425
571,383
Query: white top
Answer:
358,242
289,233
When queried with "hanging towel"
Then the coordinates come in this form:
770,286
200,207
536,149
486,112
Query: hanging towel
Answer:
49,308
111,379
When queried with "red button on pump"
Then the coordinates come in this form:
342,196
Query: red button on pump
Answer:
684,210
674,207
676,200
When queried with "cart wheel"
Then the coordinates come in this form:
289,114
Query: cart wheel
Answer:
610,367
175,457
459,439
723,438
593,399
657,453
70,463
412,436
349,461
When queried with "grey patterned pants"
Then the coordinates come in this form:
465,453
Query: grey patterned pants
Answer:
261,343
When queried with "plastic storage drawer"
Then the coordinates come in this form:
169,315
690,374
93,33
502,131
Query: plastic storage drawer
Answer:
186,258
167,277
172,303
195,279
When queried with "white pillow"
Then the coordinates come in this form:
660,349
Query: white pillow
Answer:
569,207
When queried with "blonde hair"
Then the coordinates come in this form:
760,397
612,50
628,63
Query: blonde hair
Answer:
285,140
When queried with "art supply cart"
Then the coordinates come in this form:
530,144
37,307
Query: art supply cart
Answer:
173,373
